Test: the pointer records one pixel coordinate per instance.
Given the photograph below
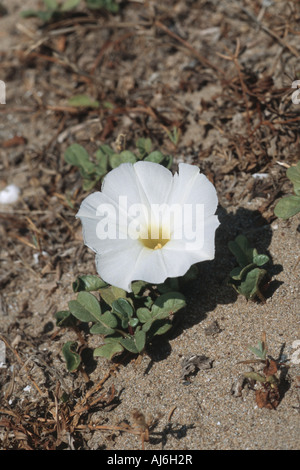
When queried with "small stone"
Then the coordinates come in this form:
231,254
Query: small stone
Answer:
212,329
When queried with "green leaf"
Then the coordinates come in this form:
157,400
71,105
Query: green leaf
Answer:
287,207
140,340
174,135
163,307
83,101
144,146
42,15
137,286
239,272
51,4
122,307
236,273
293,173
112,293
247,277
155,157
88,282
109,5
108,350
124,157
159,327
136,343
88,184
86,308
297,191
168,303
260,260
106,149
133,322
144,314
65,318
72,358
260,351
102,162
242,250
255,376
129,344
148,301
69,5
249,287
106,326
168,161
78,156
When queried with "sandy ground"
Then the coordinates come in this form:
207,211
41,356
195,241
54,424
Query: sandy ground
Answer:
202,412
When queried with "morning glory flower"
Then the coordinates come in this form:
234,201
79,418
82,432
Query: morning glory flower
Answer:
148,225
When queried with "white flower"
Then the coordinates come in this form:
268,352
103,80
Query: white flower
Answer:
148,225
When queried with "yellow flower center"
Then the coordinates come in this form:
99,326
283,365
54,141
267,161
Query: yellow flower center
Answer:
155,239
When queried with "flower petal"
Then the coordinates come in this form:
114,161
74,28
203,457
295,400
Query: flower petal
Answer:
137,182
155,181
197,250
191,187
116,267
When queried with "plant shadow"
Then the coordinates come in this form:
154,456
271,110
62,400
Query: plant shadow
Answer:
175,430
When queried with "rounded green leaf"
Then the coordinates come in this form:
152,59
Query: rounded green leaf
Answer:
143,314
86,308
260,260
287,207
102,162
144,146
160,327
133,322
140,340
137,286
122,307
124,157
155,157
129,344
88,283
168,303
242,250
112,293
69,5
51,4
293,173
108,350
106,149
77,155
106,326
249,287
